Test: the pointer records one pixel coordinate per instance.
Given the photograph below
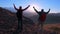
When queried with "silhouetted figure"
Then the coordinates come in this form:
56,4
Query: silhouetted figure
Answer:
19,16
42,16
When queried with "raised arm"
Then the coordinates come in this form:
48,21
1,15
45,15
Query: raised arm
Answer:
35,9
48,11
26,7
15,6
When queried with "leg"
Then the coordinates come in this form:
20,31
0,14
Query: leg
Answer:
41,27
40,24
19,28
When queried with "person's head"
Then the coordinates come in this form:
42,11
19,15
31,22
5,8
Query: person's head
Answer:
20,7
42,10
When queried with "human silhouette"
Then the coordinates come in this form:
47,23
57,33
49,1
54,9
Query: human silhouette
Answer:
19,17
42,16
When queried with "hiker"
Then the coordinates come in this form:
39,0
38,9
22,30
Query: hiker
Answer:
19,16
42,16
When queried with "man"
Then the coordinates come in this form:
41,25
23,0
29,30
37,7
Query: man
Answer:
19,16
42,16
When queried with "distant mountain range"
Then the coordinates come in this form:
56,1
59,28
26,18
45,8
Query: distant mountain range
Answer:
25,13
51,17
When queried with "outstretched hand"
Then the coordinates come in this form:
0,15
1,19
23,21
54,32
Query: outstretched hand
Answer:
28,5
49,9
33,7
15,6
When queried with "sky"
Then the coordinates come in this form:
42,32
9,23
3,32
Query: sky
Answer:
54,5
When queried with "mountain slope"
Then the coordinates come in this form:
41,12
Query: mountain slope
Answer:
8,21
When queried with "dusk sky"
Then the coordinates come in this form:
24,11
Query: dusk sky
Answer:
54,5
